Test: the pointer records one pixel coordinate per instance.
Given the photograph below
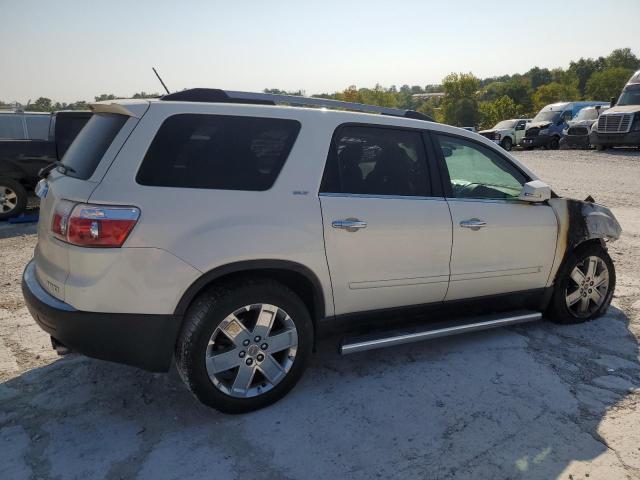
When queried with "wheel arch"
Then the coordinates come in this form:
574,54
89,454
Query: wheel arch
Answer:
299,278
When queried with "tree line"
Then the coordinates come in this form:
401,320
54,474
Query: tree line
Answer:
462,99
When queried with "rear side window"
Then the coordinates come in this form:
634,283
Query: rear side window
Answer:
38,126
11,126
86,151
218,152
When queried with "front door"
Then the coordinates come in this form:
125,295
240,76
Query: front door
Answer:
500,244
387,239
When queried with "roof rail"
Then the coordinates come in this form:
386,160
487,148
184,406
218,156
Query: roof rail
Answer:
214,95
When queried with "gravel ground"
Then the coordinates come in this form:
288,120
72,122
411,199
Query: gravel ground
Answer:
536,401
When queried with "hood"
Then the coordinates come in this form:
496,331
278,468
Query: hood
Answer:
491,130
622,109
581,123
543,124
495,130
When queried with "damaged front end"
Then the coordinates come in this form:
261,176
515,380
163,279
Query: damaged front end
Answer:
580,221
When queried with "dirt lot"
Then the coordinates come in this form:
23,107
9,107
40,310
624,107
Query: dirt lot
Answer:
535,401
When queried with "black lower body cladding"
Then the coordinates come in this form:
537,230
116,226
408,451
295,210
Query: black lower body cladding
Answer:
575,141
145,341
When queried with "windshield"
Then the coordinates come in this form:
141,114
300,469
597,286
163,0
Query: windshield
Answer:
586,114
505,124
547,116
630,95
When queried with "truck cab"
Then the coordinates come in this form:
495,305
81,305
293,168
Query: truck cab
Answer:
620,125
507,133
30,141
547,127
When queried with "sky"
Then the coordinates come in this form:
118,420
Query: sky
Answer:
71,50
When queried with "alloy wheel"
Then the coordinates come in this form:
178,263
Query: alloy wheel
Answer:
252,350
588,287
8,199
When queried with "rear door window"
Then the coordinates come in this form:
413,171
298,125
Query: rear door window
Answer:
218,152
86,151
370,160
11,126
38,127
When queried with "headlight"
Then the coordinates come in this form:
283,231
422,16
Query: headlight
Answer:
544,131
497,136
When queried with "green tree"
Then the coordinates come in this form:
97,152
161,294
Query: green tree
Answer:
584,68
105,96
146,95
623,58
460,104
42,104
554,92
493,112
608,83
539,76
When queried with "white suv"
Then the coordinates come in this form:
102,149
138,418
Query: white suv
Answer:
227,232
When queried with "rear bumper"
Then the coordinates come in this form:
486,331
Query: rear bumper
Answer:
630,139
145,341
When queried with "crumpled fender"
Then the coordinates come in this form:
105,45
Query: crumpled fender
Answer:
578,222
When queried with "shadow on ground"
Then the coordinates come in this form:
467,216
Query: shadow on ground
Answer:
513,403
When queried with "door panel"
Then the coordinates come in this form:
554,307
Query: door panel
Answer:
400,258
500,244
514,251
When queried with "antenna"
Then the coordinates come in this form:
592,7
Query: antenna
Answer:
157,75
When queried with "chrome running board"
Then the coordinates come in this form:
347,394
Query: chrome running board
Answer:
436,330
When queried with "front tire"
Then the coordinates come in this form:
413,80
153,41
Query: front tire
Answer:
244,346
584,286
13,198
507,144
554,143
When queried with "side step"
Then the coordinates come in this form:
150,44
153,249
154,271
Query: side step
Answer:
435,330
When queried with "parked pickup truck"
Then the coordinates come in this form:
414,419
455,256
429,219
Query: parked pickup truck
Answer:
30,141
620,125
507,133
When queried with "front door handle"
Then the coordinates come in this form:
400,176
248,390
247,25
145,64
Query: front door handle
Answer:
473,224
349,224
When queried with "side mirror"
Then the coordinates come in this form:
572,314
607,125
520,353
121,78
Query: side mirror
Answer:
535,191
612,102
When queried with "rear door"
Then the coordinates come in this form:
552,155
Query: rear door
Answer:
500,244
89,157
387,233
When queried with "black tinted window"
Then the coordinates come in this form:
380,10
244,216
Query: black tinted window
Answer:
377,161
218,152
38,126
87,149
11,126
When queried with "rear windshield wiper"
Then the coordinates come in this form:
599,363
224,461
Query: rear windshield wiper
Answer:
64,169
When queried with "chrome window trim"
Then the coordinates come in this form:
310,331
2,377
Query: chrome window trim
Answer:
379,196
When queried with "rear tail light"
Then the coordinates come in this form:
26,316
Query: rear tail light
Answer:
89,225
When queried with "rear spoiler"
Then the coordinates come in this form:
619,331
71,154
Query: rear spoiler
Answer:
130,110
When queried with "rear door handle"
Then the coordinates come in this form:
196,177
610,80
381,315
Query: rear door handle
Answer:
349,224
473,223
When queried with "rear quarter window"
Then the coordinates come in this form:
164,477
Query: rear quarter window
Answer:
38,126
86,151
11,126
218,152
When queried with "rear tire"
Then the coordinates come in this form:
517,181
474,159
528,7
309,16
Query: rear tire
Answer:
229,359
581,294
13,198
507,144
